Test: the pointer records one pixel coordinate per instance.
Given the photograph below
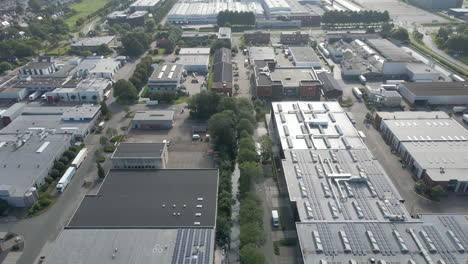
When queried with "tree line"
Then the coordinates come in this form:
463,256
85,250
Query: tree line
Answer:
228,18
354,17
453,41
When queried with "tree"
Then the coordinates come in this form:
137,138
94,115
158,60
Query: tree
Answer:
111,131
386,30
150,25
249,254
35,5
125,92
103,49
246,125
135,43
437,191
225,202
248,172
59,166
251,233
69,154
222,130
223,229
401,34
54,173
247,143
103,140
101,172
5,66
247,155
104,109
203,105
164,96
266,144
420,186
4,207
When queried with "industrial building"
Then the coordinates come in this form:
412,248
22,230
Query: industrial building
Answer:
274,23
194,51
222,72
195,63
38,68
378,59
461,13
196,36
136,18
166,77
305,57
276,83
431,144
33,140
266,54
346,207
276,8
140,156
435,93
170,213
294,38
86,91
224,34
145,5
206,12
257,37
331,89
383,97
92,44
156,119
437,4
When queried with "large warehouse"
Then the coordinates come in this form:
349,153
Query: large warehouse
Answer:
435,93
305,57
207,12
157,119
431,144
276,8
143,216
140,156
346,206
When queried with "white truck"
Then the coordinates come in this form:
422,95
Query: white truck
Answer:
357,92
80,157
34,95
65,180
459,109
275,218
465,118
362,79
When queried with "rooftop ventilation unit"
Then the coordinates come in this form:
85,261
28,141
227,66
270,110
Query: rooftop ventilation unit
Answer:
293,156
372,189
283,118
303,190
345,241
428,241
358,209
290,143
333,209
298,172
318,241
308,209
458,245
280,107
373,241
320,172
332,117
401,242
313,156
349,190
326,190
286,130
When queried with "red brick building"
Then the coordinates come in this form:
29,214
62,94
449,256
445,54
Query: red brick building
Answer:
261,37
294,38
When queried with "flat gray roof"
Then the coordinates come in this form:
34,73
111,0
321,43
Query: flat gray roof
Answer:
261,53
94,41
166,72
158,246
20,167
389,50
195,60
153,115
194,51
169,198
139,150
437,88
293,76
304,54
38,65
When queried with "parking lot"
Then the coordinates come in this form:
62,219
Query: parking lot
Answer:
193,84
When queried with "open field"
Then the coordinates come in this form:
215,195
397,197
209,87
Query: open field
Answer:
85,8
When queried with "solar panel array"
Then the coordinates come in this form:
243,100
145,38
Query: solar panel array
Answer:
192,246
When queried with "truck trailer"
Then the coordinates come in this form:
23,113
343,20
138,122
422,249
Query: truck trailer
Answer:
34,96
65,180
80,157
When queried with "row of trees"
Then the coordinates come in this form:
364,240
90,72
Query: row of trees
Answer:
142,73
355,17
228,18
453,41
168,38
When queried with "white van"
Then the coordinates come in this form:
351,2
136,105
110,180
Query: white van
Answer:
275,218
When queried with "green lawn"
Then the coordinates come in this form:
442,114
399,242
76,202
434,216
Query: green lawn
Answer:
85,8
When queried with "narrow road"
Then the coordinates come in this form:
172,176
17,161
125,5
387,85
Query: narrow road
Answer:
427,40
233,256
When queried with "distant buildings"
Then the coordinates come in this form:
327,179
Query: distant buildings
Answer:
140,156
136,18
92,44
257,37
207,12
166,77
145,5
437,4
33,139
461,13
86,91
222,72
294,38
155,119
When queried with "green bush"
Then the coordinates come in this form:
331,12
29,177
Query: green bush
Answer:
44,187
101,159
64,160
44,202
109,149
55,173
49,179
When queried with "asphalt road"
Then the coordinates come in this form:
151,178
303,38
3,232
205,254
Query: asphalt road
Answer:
432,46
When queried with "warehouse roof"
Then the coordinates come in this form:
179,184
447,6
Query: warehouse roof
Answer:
194,60
38,65
437,88
194,51
304,54
329,82
261,53
396,242
224,33
153,115
139,150
151,199
157,246
389,50
94,41
222,55
293,76
145,3
313,125
166,72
